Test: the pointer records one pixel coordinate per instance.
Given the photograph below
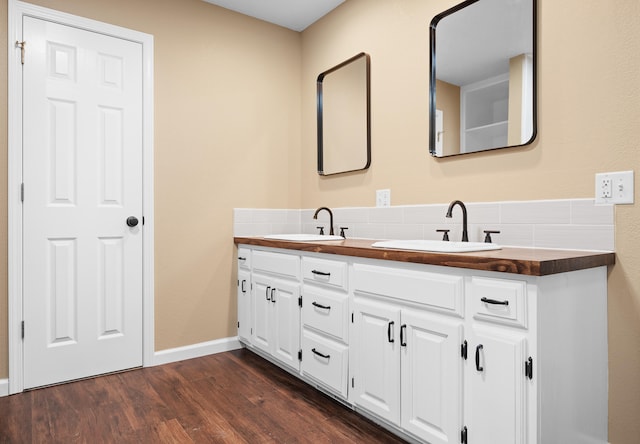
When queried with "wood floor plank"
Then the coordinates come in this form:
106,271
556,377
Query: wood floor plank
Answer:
233,397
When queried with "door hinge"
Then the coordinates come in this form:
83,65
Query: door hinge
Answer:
463,435
142,220
300,301
22,192
22,328
21,45
238,324
353,382
463,350
528,368
300,355
352,317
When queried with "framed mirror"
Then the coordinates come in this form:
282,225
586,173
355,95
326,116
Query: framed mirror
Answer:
483,77
344,117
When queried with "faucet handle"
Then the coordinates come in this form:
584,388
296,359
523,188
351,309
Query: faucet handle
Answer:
445,236
342,232
321,230
488,233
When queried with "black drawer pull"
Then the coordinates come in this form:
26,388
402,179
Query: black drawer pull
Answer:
320,273
403,340
273,295
389,332
242,287
324,307
478,367
493,301
242,258
316,352
267,293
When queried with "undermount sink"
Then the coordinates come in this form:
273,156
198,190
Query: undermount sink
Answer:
303,237
436,246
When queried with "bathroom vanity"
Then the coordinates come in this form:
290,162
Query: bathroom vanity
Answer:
505,346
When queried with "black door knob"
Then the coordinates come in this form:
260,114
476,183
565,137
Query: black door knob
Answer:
132,221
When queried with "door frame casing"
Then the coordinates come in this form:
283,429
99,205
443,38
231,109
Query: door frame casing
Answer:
17,10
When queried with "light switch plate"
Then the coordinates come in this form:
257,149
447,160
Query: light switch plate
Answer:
614,188
383,198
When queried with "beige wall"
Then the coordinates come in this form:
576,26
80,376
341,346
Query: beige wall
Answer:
583,128
229,125
227,134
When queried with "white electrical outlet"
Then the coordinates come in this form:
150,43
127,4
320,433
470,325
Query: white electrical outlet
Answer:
614,188
383,198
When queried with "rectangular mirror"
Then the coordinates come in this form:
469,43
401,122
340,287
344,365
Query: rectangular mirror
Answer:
344,117
483,77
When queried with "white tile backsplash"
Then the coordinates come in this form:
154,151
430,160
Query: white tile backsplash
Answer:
568,223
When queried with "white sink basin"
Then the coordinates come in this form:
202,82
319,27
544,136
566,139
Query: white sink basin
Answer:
436,246
304,237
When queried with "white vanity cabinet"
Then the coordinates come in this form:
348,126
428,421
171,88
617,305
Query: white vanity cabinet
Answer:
437,354
276,305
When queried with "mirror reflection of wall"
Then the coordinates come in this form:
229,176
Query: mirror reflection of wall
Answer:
344,117
483,76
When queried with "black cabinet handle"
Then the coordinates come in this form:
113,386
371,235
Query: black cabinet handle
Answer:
316,352
244,290
242,258
389,327
267,293
273,295
478,367
403,340
494,302
320,273
324,307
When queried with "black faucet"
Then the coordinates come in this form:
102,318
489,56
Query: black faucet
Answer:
315,216
465,236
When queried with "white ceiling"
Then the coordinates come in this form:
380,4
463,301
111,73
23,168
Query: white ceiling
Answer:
292,14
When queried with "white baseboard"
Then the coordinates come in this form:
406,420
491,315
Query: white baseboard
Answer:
194,351
4,387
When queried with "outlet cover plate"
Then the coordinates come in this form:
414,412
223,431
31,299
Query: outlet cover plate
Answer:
614,188
383,198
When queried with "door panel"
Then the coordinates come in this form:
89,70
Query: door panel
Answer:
496,387
286,322
431,377
82,158
377,360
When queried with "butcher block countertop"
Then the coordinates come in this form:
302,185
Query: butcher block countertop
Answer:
526,261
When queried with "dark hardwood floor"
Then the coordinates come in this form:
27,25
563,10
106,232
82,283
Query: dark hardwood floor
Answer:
229,397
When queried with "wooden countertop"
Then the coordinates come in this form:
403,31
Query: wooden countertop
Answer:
528,261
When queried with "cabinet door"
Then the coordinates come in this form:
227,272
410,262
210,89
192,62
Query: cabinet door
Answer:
261,298
376,354
496,386
286,322
431,374
244,305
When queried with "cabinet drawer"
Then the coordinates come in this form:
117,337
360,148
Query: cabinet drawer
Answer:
325,272
439,291
244,258
326,311
501,301
325,361
276,263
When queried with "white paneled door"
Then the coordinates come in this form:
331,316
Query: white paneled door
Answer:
82,170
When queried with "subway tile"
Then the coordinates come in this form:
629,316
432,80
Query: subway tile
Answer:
386,215
483,213
368,231
262,216
242,215
404,231
575,237
346,216
424,214
586,212
536,212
